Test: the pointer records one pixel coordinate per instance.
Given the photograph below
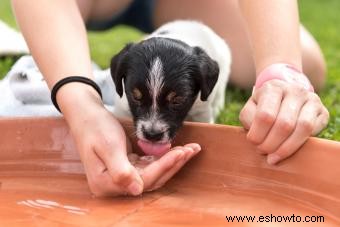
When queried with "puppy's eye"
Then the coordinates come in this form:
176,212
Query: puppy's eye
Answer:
174,100
137,94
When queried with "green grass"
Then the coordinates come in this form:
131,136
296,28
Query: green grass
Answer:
103,46
320,17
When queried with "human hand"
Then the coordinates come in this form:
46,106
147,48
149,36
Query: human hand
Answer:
105,150
280,116
105,153
156,171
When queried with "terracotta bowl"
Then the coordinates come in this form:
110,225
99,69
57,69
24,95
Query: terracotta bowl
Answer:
42,182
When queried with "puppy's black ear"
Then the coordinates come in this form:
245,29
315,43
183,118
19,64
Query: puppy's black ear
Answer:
208,71
119,67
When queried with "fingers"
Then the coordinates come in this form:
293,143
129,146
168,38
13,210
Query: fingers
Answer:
120,169
103,147
285,122
159,172
247,114
167,176
281,117
304,127
99,180
321,121
114,175
268,100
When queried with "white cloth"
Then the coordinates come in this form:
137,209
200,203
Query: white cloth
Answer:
11,41
24,92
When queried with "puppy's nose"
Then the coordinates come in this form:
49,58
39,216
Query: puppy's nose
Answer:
153,135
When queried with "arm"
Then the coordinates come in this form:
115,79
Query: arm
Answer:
274,30
58,45
56,36
280,115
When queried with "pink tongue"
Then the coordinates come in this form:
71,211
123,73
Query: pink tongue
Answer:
157,149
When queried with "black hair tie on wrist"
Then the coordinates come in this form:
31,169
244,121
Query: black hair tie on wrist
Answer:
71,79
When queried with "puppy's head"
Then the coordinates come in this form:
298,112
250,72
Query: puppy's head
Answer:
162,78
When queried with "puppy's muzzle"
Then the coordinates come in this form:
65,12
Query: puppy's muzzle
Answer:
152,134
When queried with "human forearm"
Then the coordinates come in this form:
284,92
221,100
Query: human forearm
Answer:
273,28
280,115
56,35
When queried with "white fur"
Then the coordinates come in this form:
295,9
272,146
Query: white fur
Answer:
155,82
197,34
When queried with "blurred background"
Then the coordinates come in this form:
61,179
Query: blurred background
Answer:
320,17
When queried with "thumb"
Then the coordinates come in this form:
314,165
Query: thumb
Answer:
123,173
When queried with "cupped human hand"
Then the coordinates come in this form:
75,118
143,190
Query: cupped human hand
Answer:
102,145
105,150
156,171
112,168
280,117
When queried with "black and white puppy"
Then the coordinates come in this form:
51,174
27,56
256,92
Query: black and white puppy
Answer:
177,73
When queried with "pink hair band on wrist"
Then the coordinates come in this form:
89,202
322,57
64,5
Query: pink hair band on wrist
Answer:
285,72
